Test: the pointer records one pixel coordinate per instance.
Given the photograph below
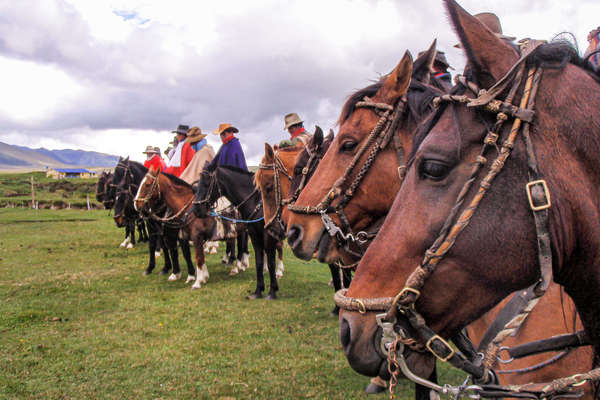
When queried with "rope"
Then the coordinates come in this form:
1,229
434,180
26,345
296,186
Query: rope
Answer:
241,221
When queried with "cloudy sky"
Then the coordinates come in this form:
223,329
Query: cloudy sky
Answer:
116,75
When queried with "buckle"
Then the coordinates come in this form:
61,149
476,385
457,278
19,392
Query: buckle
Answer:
446,344
406,289
547,203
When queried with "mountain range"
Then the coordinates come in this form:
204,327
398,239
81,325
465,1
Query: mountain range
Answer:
21,157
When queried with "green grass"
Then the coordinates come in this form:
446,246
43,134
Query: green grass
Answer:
78,320
15,190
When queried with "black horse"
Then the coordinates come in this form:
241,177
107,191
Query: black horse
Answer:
129,174
306,164
237,186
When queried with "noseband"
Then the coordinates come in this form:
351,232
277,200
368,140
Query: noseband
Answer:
378,139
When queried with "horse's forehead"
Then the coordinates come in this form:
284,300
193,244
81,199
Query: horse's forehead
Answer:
360,121
443,136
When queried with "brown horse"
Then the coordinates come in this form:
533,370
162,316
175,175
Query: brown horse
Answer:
501,233
178,196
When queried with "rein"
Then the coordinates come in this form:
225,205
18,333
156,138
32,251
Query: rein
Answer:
401,308
379,137
155,188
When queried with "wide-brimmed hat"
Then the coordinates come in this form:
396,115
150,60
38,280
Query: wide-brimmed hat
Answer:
157,149
224,127
290,120
181,130
150,150
492,22
195,135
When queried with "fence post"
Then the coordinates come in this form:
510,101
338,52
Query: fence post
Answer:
87,198
32,194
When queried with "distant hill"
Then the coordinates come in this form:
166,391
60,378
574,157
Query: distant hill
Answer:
20,157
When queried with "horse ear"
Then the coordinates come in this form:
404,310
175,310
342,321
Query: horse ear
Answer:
423,65
488,56
396,83
317,138
269,153
330,136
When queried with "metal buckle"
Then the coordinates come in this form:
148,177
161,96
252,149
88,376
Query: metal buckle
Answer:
438,337
404,290
548,202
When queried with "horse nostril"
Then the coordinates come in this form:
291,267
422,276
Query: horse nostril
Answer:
294,236
344,333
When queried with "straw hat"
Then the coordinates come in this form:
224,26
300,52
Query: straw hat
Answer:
181,130
492,22
194,135
157,149
223,127
150,150
290,120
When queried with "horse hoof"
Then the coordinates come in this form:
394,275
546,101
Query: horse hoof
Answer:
190,278
196,285
374,389
174,277
146,272
129,246
279,275
157,254
254,296
234,271
163,272
271,296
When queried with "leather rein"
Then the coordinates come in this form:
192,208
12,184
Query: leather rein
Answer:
400,310
278,168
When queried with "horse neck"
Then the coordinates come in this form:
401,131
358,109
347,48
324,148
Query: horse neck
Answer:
236,187
175,195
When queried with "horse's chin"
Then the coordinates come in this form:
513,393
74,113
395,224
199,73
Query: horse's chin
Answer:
326,249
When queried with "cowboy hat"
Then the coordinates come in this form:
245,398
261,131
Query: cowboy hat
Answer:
195,135
224,127
290,120
157,149
181,130
492,22
440,57
150,149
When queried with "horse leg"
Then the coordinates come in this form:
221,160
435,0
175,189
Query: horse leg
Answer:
280,268
132,234
337,285
152,244
170,242
187,255
347,277
273,288
239,256
424,393
259,259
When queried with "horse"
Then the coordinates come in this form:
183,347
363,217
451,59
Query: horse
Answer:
131,174
453,245
274,179
237,186
178,196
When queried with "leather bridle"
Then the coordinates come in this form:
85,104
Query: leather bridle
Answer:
380,136
278,168
400,310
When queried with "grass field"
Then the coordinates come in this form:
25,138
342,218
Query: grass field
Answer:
78,320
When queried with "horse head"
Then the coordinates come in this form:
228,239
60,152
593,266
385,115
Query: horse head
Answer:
206,191
148,191
461,234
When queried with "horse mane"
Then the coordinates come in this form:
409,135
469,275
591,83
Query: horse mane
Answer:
556,55
176,180
236,169
420,97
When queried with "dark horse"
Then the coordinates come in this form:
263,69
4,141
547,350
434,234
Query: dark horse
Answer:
238,187
453,234
129,174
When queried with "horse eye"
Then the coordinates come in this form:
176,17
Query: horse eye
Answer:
348,146
434,170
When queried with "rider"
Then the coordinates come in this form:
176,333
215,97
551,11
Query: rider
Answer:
182,155
231,152
593,50
295,127
204,153
153,159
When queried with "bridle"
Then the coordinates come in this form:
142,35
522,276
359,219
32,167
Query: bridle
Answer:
379,137
278,168
124,187
400,310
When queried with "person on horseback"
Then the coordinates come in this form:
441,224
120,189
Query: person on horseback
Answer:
182,155
231,152
295,127
592,53
153,158
203,153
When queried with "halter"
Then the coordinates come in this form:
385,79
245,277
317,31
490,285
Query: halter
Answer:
125,186
170,219
277,167
400,310
378,139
